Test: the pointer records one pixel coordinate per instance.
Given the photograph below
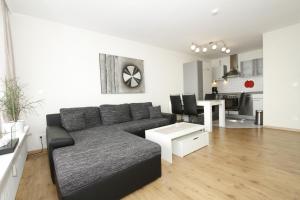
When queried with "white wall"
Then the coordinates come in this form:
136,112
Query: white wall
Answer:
282,77
237,84
207,77
2,60
59,64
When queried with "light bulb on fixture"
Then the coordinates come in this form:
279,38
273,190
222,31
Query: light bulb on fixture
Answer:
193,47
227,50
204,49
223,49
197,50
214,46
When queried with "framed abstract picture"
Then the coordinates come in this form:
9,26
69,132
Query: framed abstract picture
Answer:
121,74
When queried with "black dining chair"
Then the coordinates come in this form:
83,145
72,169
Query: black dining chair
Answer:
176,105
190,108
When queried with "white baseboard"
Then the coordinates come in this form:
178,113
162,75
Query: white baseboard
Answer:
282,128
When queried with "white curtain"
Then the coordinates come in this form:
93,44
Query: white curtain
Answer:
7,63
8,47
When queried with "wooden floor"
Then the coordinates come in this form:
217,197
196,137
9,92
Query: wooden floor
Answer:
239,164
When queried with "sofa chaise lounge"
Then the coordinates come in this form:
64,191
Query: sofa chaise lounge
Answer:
100,153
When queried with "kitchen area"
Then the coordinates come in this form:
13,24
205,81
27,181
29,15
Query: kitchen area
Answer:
238,79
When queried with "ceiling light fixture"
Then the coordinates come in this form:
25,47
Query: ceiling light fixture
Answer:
211,45
193,47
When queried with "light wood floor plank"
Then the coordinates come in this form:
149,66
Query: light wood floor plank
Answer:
242,164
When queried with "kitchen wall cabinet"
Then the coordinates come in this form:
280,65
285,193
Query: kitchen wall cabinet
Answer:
250,68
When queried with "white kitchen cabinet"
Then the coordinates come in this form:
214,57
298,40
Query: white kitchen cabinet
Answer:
257,102
197,78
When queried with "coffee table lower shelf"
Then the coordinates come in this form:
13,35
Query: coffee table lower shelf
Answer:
180,138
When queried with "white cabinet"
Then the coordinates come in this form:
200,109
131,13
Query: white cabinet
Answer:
257,102
11,169
196,79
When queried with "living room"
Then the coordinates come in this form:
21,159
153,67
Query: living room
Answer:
53,51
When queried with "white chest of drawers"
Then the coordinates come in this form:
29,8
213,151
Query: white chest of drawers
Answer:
11,168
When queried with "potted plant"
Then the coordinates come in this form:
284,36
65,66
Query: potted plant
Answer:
13,103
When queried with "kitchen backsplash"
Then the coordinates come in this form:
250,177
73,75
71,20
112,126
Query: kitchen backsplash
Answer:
238,85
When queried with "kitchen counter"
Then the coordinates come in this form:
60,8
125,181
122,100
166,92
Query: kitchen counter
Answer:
236,93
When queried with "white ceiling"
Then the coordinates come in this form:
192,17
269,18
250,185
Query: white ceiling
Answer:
172,24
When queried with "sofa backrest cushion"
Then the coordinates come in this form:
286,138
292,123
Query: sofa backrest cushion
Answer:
73,121
140,110
91,115
112,114
155,112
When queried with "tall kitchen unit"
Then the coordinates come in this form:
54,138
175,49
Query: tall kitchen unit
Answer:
196,79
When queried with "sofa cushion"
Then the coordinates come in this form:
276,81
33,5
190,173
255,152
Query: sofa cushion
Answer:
91,114
140,110
73,121
155,112
99,153
112,114
143,124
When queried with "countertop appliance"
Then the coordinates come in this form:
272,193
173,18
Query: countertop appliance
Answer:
231,102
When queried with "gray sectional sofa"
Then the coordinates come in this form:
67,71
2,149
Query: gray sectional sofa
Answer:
100,153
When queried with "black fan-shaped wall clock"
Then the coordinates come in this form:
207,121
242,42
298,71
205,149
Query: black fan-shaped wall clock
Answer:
132,76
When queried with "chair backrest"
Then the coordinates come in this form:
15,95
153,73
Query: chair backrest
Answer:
210,96
189,104
245,105
176,104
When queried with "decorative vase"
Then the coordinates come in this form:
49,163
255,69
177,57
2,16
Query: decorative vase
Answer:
20,126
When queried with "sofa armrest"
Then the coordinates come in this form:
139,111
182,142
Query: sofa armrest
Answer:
56,137
171,117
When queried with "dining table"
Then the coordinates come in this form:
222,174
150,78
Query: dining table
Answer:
208,116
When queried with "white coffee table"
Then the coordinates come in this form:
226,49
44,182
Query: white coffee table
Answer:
166,135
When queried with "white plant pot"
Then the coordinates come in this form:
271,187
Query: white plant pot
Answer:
20,126
7,126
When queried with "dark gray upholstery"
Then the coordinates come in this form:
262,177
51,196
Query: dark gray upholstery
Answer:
109,114
72,120
155,112
112,114
56,137
143,124
140,110
99,153
104,161
92,115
